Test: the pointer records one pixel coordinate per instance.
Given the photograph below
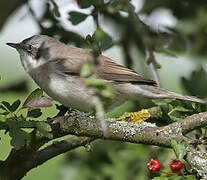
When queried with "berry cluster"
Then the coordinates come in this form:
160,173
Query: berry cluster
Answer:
175,165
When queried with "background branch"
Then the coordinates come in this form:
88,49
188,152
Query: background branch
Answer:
57,148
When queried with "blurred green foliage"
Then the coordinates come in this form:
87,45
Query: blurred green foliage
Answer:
196,83
10,117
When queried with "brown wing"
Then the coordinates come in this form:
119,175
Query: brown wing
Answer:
110,70
106,68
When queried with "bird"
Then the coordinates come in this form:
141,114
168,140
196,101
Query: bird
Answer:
55,68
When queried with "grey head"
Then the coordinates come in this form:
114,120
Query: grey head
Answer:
35,51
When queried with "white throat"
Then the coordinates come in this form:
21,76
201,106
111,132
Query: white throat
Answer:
28,61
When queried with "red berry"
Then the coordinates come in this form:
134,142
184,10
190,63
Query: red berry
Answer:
153,165
176,165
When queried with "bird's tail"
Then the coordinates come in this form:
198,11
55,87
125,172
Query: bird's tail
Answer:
157,92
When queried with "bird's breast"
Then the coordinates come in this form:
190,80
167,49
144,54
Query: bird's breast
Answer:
68,90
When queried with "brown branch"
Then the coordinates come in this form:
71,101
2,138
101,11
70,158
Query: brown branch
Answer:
81,124
56,149
146,133
191,122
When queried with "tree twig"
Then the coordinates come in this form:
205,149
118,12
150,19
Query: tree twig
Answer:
56,149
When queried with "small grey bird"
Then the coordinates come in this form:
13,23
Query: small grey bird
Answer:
55,67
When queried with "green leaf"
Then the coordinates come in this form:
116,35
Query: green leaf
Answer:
99,41
3,110
100,87
197,82
37,93
44,129
107,91
98,2
182,109
7,105
3,118
102,39
86,69
77,17
4,113
89,41
84,3
15,105
55,8
179,148
115,3
160,178
19,136
37,100
2,107
119,5
34,113
21,118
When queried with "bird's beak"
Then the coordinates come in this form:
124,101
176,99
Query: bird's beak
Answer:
14,45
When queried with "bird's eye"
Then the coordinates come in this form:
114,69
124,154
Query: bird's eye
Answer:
29,47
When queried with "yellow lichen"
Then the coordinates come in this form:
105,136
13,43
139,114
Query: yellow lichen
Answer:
135,117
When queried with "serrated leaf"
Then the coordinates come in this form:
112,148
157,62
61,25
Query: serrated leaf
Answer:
7,105
77,17
44,129
179,148
19,136
15,105
34,113
37,93
37,100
